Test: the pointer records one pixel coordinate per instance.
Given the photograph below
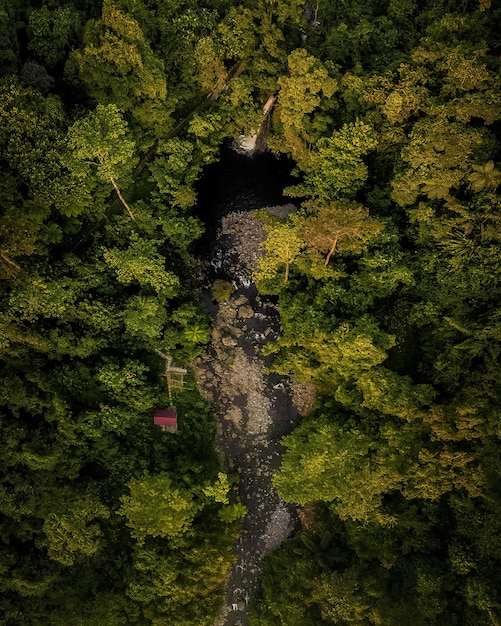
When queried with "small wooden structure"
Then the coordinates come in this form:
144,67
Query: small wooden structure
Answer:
173,375
166,419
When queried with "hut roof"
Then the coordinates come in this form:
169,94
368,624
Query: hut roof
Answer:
166,418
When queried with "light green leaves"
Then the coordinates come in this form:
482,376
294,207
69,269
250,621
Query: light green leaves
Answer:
336,168
197,334
218,491
438,157
141,263
336,227
145,317
302,89
100,143
281,246
118,67
485,177
175,171
156,508
71,527
302,92
339,465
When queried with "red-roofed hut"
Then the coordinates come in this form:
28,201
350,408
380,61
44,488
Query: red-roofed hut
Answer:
166,419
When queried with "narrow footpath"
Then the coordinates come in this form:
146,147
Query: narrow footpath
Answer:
255,410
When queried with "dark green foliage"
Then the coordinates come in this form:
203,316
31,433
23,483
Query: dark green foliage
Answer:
388,281
400,336
87,294
52,32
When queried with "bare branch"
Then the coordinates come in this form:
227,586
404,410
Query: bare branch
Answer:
9,261
121,197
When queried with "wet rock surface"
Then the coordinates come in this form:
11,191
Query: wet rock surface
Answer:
255,410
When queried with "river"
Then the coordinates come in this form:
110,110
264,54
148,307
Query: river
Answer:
254,410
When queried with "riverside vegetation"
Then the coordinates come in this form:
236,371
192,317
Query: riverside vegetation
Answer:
387,279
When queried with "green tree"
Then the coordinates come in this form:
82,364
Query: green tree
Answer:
71,527
9,45
175,171
119,68
141,263
281,246
341,598
126,385
336,168
52,32
339,227
339,465
389,393
302,93
439,155
31,145
156,508
18,239
99,146
485,177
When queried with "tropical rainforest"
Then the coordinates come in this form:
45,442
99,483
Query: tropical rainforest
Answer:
388,279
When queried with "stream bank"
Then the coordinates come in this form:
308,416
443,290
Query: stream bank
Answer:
254,409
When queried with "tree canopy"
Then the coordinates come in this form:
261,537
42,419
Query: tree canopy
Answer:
387,279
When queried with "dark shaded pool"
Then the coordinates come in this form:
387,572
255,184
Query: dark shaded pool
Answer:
238,182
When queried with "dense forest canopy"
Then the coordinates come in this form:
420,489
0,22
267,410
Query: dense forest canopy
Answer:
388,279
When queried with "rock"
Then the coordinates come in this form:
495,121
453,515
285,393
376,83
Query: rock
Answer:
227,312
245,312
240,300
216,335
281,211
229,342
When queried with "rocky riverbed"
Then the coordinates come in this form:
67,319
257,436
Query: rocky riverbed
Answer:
255,410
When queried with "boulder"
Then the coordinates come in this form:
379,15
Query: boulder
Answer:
245,312
241,299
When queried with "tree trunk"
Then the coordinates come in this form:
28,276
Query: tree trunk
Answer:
331,252
121,197
286,277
